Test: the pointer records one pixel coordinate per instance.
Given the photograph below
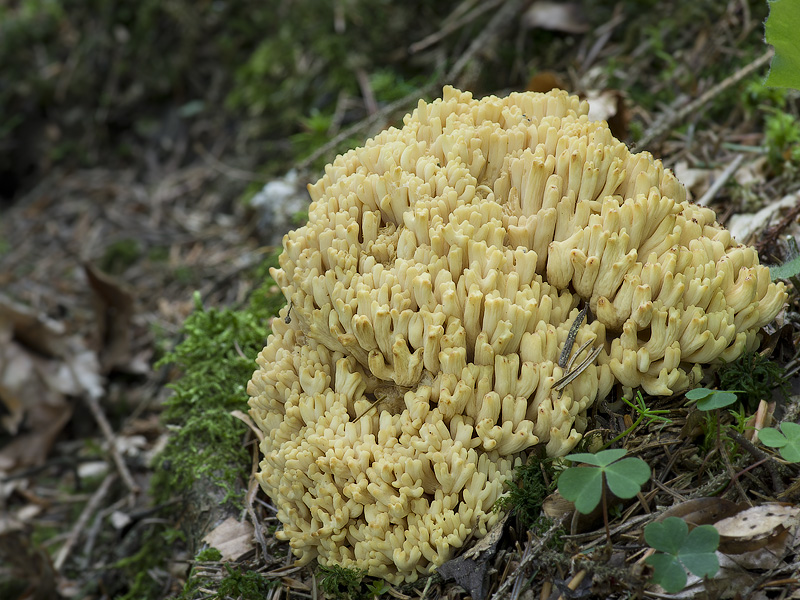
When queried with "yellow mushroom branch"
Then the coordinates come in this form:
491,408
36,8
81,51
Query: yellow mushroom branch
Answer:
432,294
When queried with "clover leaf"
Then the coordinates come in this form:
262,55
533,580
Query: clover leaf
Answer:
584,485
781,32
681,549
711,399
787,443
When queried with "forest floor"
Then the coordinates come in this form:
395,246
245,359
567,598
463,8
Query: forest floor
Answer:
100,266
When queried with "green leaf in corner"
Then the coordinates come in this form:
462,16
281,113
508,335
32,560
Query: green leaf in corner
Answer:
681,549
781,29
787,440
787,269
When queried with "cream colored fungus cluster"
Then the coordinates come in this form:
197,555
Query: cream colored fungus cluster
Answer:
430,298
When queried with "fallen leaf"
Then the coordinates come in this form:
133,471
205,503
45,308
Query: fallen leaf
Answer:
609,106
244,418
295,584
114,309
703,511
743,226
555,506
35,331
14,410
756,527
232,538
40,367
25,563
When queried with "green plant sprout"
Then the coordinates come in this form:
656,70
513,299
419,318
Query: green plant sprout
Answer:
377,588
787,440
586,487
679,550
712,400
644,412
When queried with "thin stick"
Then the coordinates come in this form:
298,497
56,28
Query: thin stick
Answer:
668,121
570,377
80,525
577,353
575,582
108,433
540,544
252,490
371,406
605,508
452,26
720,181
777,483
427,587
510,11
573,333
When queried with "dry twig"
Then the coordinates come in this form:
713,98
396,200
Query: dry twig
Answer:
675,117
108,434
80,525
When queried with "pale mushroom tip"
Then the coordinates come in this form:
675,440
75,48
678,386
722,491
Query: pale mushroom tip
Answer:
437,330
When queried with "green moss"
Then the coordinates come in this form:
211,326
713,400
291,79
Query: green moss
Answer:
119,256
184,274
754,377
209,554
247,585
340,583
782,139
216,358
238,583
138,568
525,493
158,254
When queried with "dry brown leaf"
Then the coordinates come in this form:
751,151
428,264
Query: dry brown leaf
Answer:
25,563
742,226
40,366
295,584
757,527
555,506
14,410
469,570
32,330
232,538
245,418
609,106
703,511
114,308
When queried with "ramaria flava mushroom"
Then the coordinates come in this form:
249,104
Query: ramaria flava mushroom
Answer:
431,297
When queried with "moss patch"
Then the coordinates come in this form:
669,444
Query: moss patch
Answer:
216,358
